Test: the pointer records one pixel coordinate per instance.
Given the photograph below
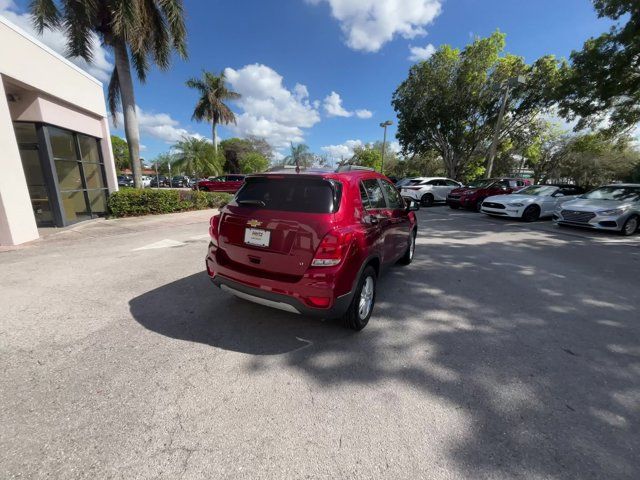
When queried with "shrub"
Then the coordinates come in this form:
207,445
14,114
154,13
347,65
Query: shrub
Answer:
133,202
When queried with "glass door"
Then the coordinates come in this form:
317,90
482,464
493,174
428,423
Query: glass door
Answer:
36,183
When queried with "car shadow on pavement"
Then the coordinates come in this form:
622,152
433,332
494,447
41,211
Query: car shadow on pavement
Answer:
194,310
542,365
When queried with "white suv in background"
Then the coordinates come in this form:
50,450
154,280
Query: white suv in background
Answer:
428,190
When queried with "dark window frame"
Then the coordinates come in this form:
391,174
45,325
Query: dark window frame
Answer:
48,163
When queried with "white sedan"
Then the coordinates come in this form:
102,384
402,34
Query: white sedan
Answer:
530,203
428,190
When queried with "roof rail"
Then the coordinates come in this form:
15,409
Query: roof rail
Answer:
350,168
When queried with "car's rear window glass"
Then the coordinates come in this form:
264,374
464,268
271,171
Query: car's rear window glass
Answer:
307,195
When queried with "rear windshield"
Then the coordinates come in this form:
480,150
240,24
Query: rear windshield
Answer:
307,195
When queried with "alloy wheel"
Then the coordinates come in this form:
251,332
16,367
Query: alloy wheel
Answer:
631,226
366,297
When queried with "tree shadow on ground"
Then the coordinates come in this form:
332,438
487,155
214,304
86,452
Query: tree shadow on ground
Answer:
544,362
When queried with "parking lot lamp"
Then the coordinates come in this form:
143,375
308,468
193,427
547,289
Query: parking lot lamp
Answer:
384,125
506,87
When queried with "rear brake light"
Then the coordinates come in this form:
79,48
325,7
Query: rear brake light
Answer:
318,302
411,188
332,249
214,226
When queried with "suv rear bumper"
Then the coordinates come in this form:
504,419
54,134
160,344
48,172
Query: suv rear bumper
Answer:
281,301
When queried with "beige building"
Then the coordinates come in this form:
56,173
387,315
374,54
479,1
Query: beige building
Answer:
56,164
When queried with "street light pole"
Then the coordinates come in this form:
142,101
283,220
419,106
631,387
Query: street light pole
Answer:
384,125
512,82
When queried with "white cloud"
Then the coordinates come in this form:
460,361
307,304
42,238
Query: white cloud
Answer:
157,125
364,113
342,151
369,24
269,109
101,66
419,54
333,106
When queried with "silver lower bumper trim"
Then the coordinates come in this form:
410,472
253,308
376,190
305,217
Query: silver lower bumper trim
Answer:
261,301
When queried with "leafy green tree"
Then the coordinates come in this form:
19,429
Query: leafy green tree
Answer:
138,31
234,149
602,87
120,153
197,156
253,162
261,146
210,106
162,161
449,103
367,156
299,155
597,158
544,146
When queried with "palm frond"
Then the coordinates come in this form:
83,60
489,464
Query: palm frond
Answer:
44,14
141,64
113,95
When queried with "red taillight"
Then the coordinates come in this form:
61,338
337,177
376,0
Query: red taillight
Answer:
332,249
318,302
214,225
411,188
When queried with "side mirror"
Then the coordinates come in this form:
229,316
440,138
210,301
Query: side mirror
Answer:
411,204
558,194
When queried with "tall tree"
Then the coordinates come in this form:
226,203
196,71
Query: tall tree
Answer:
120,151
196,156
137,31
450,102
210,106
300,156
603,85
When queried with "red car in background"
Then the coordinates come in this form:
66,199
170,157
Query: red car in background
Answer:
312,243
472,196
225,183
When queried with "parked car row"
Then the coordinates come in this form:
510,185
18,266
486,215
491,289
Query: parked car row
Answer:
614,207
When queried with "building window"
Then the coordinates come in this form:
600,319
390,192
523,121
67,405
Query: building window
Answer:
80,173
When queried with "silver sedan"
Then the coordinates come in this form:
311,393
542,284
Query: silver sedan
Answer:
611,207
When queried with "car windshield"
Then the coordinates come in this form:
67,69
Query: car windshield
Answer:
403,182
539,190
614,193
482,183
307,195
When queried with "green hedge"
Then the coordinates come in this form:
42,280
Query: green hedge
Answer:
133,202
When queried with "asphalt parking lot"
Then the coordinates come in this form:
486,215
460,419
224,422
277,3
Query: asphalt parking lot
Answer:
506,350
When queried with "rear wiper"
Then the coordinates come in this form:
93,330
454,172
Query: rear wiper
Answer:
255,203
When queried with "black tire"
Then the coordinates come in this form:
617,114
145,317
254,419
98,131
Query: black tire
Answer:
411,248
630,226
478,206
352,318
454,207
531,214
427,200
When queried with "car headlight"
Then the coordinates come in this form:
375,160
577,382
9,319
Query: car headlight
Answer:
516,204
611,213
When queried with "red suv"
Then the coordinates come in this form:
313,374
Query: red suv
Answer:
472,196
313,242
224,183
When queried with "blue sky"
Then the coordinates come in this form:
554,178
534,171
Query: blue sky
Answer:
323,71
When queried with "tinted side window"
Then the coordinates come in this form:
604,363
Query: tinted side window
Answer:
374,192
393,197
451,183
520,183
432,182
364,197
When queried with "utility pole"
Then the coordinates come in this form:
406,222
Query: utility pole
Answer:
384,125
512,82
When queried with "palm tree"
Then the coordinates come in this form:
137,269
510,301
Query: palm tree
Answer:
137,31
300,156
211,107
196,156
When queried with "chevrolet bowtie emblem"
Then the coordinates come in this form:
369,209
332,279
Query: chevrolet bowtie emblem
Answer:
254,223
